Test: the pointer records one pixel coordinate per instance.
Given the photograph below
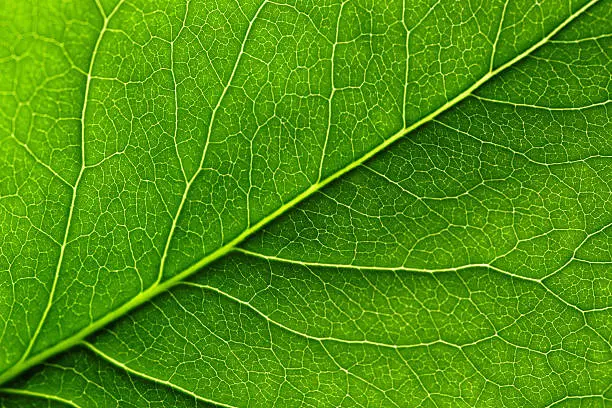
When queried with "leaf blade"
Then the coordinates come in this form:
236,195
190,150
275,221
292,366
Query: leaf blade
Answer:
142,297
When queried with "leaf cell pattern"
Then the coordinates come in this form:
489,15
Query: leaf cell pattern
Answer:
467,264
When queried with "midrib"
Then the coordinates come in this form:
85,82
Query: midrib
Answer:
161,287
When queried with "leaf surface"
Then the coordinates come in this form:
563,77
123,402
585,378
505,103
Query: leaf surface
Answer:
467,264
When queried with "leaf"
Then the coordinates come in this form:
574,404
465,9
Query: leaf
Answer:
467,264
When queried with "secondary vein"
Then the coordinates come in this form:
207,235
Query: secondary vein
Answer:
43,318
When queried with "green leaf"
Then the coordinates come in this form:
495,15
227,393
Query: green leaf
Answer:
466,265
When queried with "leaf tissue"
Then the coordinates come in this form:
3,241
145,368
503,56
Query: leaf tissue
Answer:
355,203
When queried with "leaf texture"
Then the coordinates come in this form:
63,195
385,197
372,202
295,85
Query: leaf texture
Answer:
465,265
